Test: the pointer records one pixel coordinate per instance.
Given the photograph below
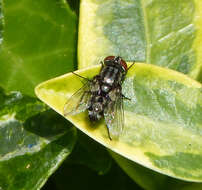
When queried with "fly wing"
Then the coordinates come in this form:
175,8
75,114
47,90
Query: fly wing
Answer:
79,101
114,117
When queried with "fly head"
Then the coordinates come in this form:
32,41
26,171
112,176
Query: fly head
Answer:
116,61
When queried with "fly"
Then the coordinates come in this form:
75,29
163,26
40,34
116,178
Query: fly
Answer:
102,96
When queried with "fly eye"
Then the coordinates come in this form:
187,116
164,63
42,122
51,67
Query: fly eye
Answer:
123,64
109,58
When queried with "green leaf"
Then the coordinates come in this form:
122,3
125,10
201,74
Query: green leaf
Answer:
163,119
151,180
39,42
1,22
145,177
34,142
166,33
110,27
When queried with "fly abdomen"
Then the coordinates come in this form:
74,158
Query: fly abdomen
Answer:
95,111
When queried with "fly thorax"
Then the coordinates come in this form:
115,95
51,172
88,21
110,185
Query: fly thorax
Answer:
109,75
120,78
108,80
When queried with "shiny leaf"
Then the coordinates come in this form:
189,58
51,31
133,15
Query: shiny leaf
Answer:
39,42
167,33
34,142
163,119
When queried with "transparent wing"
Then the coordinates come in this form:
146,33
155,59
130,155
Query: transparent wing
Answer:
114,117
79,101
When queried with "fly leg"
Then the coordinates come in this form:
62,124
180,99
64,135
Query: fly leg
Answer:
124,97
109,134
101,62
80,76
130,66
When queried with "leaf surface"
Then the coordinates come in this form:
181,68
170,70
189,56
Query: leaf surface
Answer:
163,119
166,33
39,42
34,142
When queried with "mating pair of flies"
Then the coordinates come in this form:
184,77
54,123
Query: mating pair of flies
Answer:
102,96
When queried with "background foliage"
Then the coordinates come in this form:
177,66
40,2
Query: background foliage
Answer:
39,42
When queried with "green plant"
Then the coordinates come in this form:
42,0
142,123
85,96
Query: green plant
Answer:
163,127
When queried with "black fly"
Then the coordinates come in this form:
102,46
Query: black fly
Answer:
102,96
